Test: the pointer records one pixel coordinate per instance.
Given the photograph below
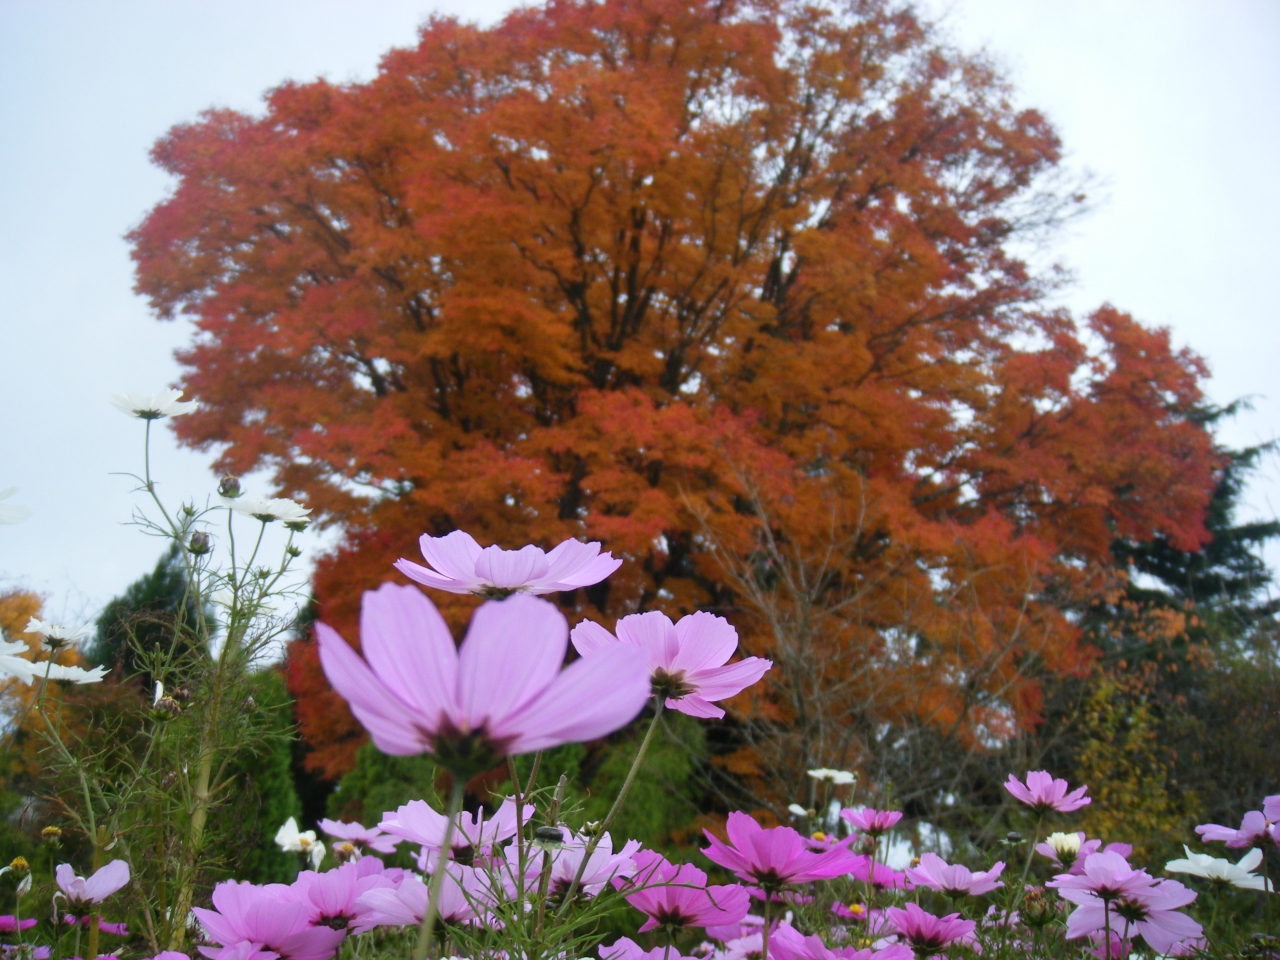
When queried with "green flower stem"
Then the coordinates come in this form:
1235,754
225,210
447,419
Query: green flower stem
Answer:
437,879
617,804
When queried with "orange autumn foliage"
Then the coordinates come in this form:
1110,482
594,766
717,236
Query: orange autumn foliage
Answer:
611,270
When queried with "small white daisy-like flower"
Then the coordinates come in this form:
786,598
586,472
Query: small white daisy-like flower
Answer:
54,632
153,406
12,512
1223,871
292,514
838,777
292,840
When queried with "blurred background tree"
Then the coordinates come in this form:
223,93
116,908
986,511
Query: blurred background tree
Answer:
736,288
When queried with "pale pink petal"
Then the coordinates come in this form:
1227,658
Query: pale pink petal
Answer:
720,683
589,636
695,706
652,632
593,571
107,880
590,698
511,569
705,641
514,648
429,578
395,728
570,556
453,555
217,927
409,647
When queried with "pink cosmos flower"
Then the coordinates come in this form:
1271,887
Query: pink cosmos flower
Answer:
1042,793
626,949
871,822
462,566
603,868
775,857
748,926
787,943
105,881
1073,862
678,896
248,918
169,955
371,837
9,925
954,879
879,875
330,897
502,692
1254,829
417,822
1138,904
404,905
925,932
688,661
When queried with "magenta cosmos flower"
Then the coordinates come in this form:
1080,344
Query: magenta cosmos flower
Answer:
787,943
417,822
627,949
1254,829
879,875
926,932
1042,793
462,566
373,838
775,857
952,878
1137,903
688,661
674,897
502,692
330,897
105,881
871,822
404,905
248,918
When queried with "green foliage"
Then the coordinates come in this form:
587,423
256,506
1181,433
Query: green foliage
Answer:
141,619
265,782
1122,761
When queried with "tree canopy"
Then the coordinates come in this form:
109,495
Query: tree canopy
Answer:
701,280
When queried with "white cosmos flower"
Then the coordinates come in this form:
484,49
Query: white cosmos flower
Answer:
12,512
291,513
14,664
838,777
796,810
291,840
1064,844
52,631
153,406
1224,871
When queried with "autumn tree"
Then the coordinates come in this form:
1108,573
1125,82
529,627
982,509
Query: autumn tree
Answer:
632,271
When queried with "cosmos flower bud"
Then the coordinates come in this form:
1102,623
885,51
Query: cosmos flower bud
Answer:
1038,909
200,543
297,526
291,550
52,836
167,707
1013,836
229,487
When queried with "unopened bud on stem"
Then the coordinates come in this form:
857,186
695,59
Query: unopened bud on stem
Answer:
229,487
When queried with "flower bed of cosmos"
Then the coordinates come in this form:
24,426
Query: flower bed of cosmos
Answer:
523,876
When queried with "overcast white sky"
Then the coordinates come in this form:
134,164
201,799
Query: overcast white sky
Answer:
1173,103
